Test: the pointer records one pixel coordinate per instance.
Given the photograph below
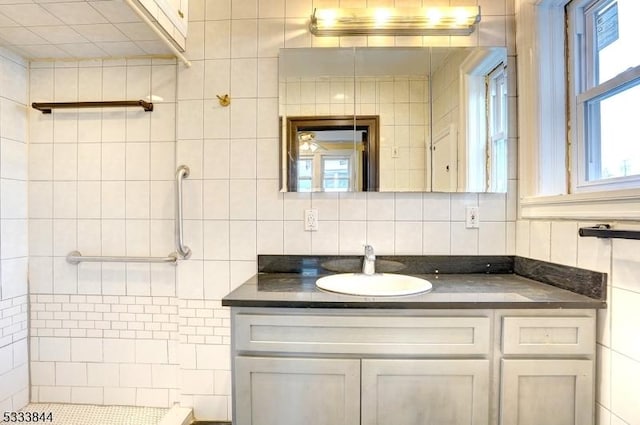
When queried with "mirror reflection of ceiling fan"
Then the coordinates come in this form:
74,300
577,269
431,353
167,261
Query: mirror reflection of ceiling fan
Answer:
307,140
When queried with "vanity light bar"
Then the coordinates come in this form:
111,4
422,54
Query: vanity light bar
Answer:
388,21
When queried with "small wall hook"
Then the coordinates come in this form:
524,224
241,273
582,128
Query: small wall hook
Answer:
224,100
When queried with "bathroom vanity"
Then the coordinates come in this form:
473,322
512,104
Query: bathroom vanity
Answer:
480,349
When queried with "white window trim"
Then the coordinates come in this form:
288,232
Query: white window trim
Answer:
542,121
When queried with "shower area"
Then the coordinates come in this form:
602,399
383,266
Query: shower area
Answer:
101,302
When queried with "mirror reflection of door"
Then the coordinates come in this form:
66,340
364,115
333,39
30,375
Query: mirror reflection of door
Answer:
332,154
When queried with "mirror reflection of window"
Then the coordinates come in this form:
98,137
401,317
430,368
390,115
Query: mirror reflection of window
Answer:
484,137
305,175
327,171
497,125
336,173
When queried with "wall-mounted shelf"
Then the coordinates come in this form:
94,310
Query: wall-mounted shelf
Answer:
605,231
46,107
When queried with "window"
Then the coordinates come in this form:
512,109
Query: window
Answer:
604,94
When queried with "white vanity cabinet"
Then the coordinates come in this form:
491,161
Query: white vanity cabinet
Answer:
412,367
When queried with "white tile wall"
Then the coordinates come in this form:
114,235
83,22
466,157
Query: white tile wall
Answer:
14,391
86,170
103,333
618,334
233,206
101,182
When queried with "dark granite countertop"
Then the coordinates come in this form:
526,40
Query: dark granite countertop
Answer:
471,289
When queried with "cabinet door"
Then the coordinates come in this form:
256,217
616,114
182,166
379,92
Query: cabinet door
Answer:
425,392
549,392
295,391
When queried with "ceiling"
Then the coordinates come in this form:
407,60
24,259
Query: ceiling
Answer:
43,29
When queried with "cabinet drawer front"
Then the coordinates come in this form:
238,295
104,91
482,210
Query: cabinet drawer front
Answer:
362,335
548,335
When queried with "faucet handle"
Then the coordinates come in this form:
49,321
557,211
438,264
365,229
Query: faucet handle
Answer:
368,249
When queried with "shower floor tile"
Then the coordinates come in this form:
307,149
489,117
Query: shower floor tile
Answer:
87,414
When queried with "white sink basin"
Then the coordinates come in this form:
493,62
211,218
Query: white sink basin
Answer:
376,285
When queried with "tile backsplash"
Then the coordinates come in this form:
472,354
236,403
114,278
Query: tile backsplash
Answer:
618,335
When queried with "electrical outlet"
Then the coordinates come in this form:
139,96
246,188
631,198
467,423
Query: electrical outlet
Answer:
473,221
311,220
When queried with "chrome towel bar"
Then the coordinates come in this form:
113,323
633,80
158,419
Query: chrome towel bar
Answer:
75,257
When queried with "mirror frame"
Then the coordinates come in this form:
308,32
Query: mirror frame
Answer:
371,151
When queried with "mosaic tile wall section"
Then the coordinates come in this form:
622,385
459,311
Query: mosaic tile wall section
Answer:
14,369
104,349
97,316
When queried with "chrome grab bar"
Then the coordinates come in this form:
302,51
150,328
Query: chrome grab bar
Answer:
182,250
75,257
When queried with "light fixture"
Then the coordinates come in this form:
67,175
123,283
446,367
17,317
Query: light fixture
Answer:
307,140
388,21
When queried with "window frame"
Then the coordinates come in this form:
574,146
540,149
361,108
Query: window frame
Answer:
542,111
583,88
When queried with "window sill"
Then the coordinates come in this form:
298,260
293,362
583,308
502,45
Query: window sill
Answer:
614,205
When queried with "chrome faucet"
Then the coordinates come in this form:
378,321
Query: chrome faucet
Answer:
369,263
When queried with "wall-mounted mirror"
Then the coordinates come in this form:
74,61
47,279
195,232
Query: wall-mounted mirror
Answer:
423,140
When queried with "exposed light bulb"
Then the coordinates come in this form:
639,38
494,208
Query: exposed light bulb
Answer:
381,16
328,16
434,16
461,15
